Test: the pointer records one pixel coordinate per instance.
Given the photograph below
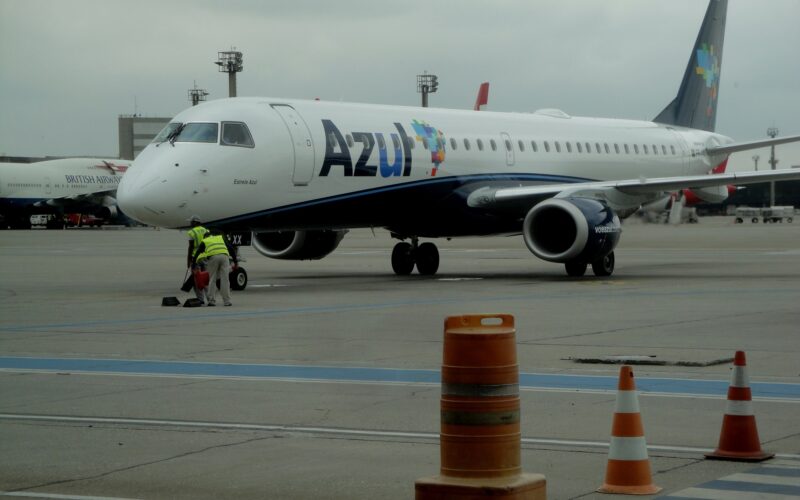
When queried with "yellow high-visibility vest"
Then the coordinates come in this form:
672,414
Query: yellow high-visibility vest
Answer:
215,245
197,234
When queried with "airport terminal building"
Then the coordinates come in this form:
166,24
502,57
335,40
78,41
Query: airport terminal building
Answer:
136,132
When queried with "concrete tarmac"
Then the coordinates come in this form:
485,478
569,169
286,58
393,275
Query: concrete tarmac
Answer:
221,417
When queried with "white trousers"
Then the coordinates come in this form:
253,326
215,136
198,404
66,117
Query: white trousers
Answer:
219,267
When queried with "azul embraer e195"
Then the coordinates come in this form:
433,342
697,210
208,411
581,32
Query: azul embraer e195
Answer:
298,173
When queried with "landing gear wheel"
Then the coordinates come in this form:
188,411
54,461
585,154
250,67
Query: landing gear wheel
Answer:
576,269
604,266
403,259
427,256
238,278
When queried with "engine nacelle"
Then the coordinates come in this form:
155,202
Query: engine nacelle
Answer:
107,212
297,245
571,229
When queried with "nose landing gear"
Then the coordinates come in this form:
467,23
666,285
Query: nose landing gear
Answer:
407,255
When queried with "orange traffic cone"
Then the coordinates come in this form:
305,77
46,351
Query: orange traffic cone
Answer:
628,470
738,439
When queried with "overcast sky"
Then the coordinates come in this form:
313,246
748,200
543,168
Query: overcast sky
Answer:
70,67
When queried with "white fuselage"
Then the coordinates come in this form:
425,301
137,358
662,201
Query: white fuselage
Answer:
335,155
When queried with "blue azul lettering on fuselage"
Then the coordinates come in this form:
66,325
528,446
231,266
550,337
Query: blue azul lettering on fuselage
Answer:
338,154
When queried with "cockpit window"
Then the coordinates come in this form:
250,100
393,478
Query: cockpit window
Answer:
198,132
166,132
236,134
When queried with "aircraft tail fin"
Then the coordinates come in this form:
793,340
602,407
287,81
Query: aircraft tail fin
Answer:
695,106
483,96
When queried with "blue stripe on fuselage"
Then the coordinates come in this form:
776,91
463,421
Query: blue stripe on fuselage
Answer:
431,189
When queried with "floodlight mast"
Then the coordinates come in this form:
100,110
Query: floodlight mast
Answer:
230,62
196,95
772,132
427,84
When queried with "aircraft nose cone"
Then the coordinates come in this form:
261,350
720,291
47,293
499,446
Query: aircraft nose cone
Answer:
127,200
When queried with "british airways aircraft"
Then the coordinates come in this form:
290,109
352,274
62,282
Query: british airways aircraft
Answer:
299,174
86,185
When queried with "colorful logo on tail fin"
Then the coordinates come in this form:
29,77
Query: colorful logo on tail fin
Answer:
708,68
434,141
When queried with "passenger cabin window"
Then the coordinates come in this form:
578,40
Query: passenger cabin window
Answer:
381,141
578,144
166,132
655,149
672,148
395,142
236,134
466,144
493,144
521,146
616,148
558,147
453,144
349,139
546,146
636,148
480,145
198,132
645,148
627,150
508,145
605,145
664,149
533,146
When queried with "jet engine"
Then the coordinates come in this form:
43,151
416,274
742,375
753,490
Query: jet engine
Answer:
297,245
571,230
107,212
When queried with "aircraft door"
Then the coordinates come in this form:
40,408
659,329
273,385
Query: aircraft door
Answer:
302,143
508,146
47,186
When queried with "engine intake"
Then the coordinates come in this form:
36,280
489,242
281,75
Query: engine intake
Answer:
297,245
571,229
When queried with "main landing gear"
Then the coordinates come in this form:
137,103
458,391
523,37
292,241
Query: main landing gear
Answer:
406,255
601,267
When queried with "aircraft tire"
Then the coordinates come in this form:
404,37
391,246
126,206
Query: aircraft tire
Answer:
427,257
238,279
575,268
604,266
403,259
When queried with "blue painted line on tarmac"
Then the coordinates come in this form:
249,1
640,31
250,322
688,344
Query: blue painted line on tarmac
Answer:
383,375
776,471
742,486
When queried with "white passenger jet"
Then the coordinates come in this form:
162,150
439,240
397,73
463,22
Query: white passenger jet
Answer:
298,174
84,185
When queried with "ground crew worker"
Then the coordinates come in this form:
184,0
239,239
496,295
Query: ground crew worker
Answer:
216,251
196,235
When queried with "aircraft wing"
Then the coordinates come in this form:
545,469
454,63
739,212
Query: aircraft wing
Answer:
620,190
81,202
745,146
